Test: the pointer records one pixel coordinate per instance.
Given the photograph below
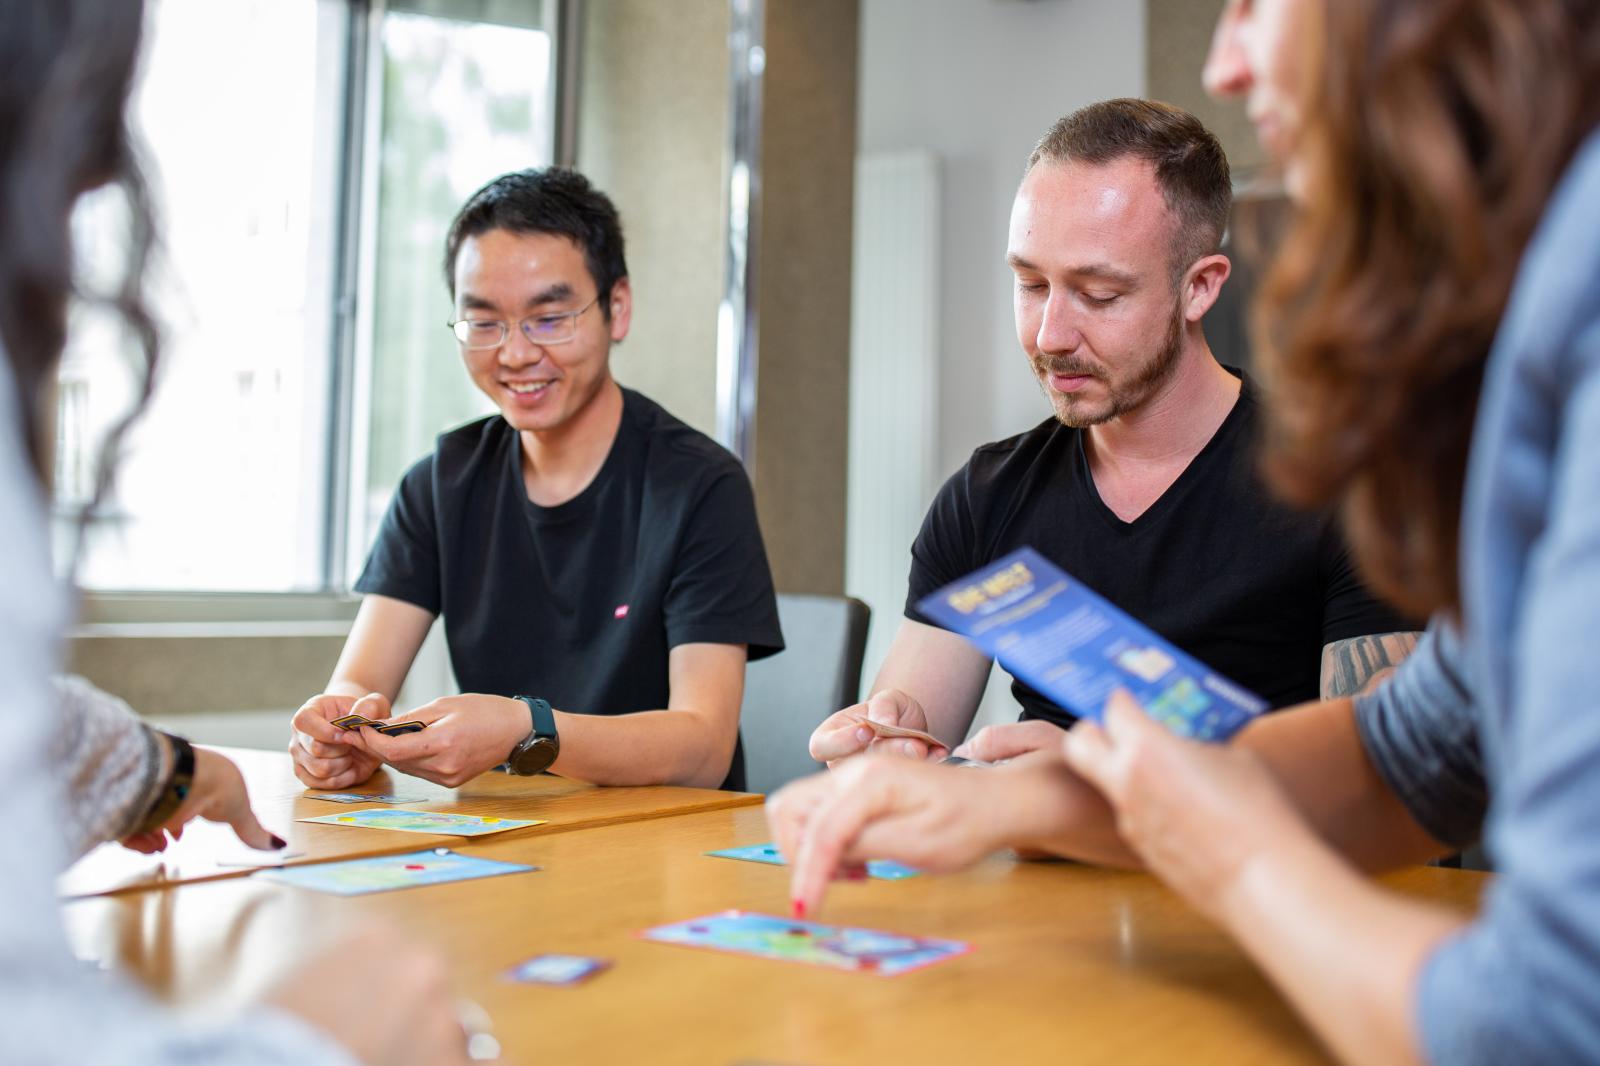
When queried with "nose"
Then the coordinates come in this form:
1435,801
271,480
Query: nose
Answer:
1227,70
1058,326
518,350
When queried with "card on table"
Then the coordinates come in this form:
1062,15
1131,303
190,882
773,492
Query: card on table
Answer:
556,969
364,797
460,825
1077,648
882,869
840,947
384,873
392,729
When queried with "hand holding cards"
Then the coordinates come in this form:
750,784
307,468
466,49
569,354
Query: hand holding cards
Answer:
884,729
388,729
1077,648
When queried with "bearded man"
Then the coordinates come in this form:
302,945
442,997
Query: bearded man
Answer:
1143,485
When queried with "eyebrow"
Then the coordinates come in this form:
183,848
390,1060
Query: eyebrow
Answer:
1102,271
549,295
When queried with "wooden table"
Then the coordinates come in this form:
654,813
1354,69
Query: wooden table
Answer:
1069,963
211,851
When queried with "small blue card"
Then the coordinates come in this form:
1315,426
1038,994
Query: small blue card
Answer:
882,869
358,877
556,969
1076,648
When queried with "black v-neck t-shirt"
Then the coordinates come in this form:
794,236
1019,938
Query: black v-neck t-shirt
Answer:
581,603
1245,584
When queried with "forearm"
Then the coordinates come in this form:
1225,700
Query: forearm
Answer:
1047,808
673,747
1344,951
113,765
1315,752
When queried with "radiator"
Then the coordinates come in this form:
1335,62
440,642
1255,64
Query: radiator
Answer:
894,382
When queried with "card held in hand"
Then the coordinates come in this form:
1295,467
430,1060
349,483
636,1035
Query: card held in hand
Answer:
1077,648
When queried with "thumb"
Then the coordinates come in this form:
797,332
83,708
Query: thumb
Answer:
1089,753
1125,719
373,705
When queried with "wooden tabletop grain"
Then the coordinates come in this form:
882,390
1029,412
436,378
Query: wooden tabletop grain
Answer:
1068,963
207,851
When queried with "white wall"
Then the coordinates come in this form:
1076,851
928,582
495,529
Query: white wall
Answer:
976,83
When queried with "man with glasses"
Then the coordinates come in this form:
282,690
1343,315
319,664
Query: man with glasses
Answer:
596,561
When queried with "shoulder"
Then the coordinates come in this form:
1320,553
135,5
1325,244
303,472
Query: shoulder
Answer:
676,451
1002,463
1556,297
468,450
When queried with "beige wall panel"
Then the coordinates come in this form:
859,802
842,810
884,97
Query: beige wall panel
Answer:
1179,35
653,129
803,285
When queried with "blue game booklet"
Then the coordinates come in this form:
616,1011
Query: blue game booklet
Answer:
1076,648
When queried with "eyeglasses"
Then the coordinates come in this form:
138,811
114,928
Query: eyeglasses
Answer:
476,334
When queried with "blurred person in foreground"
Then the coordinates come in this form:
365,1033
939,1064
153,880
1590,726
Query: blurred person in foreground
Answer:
79,767
1429,335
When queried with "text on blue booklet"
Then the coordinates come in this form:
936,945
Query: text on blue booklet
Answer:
1076,648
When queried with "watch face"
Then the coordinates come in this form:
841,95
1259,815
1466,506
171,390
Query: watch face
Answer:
535,758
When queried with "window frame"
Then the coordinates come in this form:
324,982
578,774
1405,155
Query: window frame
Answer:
349,339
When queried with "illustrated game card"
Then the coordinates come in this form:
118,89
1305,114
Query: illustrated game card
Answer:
384,873
1077,648
835,946
364,797
881,869
556,970
459,825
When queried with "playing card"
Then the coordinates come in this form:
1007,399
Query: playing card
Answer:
364,797
884,729
461,825
556,969
357,877
839,947
880,869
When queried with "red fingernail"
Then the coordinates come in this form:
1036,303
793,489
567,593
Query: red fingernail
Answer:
278,843
799,908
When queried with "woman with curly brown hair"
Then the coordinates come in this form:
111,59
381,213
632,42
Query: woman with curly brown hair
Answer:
1429,335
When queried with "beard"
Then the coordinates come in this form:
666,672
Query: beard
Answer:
1144,381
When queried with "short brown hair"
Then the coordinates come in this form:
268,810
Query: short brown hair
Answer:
1191,167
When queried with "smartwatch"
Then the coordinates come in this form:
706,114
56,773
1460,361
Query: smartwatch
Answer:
536,751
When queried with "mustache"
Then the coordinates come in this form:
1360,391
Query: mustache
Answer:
1067,366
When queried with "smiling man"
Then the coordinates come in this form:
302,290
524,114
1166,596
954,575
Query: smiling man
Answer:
597,562
1143,484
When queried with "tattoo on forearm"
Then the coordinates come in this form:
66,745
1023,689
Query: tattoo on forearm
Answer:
1360,664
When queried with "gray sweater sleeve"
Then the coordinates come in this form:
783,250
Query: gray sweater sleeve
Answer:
54,1009
112,764
1420,729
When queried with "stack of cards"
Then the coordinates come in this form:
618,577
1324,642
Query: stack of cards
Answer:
390,729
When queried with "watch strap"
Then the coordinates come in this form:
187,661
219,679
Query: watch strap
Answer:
544,718
177,787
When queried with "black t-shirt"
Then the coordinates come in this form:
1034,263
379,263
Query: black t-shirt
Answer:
580,603
1245,584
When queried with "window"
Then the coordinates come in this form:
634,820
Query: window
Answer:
302,203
